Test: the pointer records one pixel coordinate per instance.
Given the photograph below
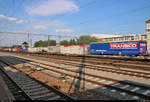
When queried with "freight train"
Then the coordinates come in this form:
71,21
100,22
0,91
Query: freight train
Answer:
97,48
119,48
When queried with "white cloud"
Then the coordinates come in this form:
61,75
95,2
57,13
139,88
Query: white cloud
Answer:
11,19
45,25
21,21
64,30
54,23
19,31
40,27
52,7
7,18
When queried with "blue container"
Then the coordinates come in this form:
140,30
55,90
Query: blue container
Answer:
119,48
21,49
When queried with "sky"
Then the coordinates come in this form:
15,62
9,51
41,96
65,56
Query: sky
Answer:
74,17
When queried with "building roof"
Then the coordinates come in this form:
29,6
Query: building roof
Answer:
115,41
148,21
104,35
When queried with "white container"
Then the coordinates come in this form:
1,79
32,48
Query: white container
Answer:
75,49
14,49
32,49
9,49
54,49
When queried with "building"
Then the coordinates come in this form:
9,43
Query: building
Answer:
142,37
25,45
136,37
16,46
148,36
107,37
99,36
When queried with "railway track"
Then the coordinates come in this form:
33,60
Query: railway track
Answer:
104,57
121,63
110,86
90,58
94,59
105,68
140,65
102,68
16,91
30,87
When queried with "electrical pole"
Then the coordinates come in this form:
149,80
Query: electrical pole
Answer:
31,42
59,39
28,39
0,41
48,39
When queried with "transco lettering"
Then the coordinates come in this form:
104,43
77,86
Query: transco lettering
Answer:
141,44
123,46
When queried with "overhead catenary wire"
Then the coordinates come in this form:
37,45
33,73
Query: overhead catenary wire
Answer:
30,41
120,14
38,34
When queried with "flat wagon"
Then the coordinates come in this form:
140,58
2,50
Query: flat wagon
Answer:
119,48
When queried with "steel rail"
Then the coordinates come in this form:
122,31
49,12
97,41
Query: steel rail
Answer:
107,69
29,98
117,88
98,83
95,61
50,87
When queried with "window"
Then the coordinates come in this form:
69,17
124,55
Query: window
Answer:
126,38
115,39
132,37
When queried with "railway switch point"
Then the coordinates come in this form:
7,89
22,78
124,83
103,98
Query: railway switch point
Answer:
135,89
135,97
115,84
113,90
37,67
126,86
146,92
103,88
123,93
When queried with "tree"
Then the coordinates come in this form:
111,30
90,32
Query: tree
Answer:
38,43
64,42
80,40
52,43
74,42
45,43
86,40
71,42
25,44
